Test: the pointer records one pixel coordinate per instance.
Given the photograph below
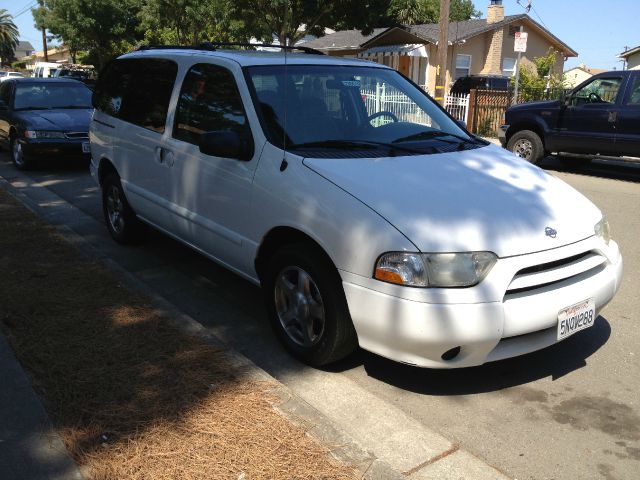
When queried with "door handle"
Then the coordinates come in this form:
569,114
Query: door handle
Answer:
158,155
613,117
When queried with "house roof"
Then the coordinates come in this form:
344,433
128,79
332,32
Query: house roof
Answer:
591,71
342,39
24,45
430,33
628,53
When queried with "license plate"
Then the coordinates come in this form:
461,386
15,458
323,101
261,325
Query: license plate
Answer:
86,147
576,317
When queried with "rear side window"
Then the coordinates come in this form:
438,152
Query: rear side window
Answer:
209,100
137,90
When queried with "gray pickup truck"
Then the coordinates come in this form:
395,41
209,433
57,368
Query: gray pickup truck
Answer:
601,116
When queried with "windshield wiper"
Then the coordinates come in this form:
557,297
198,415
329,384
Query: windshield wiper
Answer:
352,145
433,134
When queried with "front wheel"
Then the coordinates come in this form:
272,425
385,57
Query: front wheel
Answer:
122,223
527,145
307,307
17,155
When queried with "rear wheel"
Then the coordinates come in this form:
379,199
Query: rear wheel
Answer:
122,223
306,305
527,145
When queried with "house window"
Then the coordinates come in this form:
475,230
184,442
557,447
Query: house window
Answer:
508,67
463,65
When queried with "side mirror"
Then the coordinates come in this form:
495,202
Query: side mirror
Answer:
226,144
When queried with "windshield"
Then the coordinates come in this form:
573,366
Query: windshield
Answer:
363,111
45,96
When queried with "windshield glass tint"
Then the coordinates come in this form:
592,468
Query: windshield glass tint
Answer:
344,107
48,96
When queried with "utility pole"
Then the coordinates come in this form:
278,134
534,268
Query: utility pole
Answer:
443,45
44,31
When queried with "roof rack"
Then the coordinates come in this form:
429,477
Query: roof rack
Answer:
213,46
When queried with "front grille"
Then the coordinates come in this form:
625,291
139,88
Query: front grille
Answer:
545,274
77,135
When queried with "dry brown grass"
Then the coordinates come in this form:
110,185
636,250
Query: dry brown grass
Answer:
131,395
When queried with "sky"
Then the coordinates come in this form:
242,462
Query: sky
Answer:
597,30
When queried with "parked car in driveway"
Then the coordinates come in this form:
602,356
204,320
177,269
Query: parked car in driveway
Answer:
393,229
42,119
464,85
600,116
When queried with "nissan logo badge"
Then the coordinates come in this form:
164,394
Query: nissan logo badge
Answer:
550,232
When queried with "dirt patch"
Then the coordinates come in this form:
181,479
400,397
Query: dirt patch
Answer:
131,395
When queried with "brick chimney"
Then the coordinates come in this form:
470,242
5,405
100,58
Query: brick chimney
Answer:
495,12
493,62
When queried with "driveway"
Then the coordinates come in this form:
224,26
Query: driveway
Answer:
570,411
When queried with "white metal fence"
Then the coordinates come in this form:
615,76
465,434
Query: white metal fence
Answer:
384,99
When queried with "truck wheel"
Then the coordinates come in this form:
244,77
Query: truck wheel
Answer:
122,223
307,307
526,144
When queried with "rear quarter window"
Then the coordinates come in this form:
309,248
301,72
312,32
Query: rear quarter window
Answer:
137,90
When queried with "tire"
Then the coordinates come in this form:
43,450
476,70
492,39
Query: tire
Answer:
303,289
17,155
527,145
122,223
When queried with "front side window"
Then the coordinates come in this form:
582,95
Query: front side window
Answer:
137,90
463,65
600,90
363,111
209,101
47,96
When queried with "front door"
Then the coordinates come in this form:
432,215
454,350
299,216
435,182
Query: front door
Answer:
587,123
628,122
211,195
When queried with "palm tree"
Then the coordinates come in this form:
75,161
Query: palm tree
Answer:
8,35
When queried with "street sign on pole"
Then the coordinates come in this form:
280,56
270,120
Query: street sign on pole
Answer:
520,44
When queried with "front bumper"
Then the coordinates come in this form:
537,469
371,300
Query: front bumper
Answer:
502,135
420,332
33,148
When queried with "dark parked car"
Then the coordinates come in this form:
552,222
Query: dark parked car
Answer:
479,82
44,118
600,116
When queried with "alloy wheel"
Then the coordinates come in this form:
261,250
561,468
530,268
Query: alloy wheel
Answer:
299,306
523,148
115,209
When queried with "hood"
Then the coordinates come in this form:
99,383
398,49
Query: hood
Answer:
540,104
70,120
485,199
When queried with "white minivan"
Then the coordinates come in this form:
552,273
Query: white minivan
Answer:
367,214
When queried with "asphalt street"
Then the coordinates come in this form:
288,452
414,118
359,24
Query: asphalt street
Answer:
567,412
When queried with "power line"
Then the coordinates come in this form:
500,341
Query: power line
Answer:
26,9
539,17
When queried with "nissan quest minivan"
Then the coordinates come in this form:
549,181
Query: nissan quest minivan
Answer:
366,213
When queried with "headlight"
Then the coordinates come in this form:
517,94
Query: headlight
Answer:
434,269
602,230
43,134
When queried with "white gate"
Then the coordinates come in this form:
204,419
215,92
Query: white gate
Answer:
457,105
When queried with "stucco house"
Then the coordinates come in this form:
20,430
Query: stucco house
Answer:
576,75
475,47
632,58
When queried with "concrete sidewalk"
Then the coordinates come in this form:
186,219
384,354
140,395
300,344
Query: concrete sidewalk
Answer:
30,449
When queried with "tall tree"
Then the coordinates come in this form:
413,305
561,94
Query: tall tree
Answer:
105,28
412,12
8,35
40,19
